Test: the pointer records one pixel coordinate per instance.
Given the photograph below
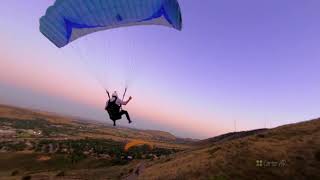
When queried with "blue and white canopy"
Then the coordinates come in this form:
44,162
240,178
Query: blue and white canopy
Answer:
68,20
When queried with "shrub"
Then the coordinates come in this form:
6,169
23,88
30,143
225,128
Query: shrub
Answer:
317,155
61,173
14,173
26,177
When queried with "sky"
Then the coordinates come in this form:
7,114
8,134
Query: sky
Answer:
236,65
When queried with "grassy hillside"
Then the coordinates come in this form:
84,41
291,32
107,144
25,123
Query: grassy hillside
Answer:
286,152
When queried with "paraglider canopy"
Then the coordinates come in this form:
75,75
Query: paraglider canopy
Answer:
68,20
135,143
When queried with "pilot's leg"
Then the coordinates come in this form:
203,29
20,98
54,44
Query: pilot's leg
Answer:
127,115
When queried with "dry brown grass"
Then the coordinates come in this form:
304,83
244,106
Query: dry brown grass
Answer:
297,144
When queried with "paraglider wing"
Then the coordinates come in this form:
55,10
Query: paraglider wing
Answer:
68,20
135,143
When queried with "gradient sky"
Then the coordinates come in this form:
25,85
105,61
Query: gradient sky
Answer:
252,62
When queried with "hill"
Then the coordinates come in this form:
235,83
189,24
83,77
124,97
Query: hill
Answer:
227,137
78,128
43,145
286,152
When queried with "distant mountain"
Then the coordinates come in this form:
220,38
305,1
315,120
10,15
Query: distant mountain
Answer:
286,152
91,128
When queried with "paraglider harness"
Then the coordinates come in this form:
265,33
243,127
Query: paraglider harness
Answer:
113,108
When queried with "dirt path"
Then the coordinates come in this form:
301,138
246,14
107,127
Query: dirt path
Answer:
137,171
